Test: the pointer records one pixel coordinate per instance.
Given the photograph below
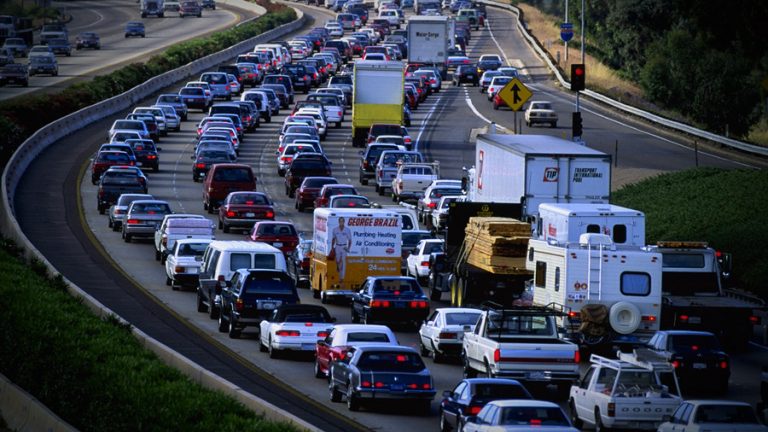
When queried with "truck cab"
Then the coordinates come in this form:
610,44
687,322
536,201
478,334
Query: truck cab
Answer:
634,392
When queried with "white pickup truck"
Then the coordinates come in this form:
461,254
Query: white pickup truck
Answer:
635,392
412,178
521,343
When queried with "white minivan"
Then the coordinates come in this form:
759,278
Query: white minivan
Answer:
222,258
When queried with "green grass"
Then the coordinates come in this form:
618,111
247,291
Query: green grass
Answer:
92,372
727,208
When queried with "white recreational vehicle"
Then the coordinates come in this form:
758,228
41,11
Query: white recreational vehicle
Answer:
592,259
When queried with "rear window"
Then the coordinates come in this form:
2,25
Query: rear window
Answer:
245,261
533,416
507,325
727,414
462,318
694,343
368,337
192,91
433,247
439,192
114,178
318,183
635,284
113,157
497,391
390,361
215,79
308,165
315,316
412,239
276,229
267,285
395,286
248,199
192,249
151,208
233,175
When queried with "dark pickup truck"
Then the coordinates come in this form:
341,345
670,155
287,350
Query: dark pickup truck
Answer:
14,73
114,184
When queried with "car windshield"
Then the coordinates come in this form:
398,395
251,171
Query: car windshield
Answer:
248,199
367,336
412,239
192,249
150,208
728,414
233,175
396,361
533,416
461,318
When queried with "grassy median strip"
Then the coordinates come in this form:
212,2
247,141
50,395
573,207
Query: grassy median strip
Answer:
21,117
92,372
723,207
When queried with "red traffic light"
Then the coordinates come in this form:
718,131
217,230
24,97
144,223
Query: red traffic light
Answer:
578,71
578,77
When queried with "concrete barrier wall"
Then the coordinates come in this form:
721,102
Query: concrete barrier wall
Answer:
22,412
9,226
650,117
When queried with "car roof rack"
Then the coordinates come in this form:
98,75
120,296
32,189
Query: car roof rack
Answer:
643,358
553,308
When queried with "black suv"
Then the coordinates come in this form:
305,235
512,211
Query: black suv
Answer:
466,74
369,158
251,296
305,165
210,4
299,77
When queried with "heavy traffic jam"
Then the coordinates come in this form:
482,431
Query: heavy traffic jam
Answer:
544,298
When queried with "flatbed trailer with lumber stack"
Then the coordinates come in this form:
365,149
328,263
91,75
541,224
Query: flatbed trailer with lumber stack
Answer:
488,266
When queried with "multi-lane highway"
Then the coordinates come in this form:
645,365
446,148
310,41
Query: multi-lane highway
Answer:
107,18
57,210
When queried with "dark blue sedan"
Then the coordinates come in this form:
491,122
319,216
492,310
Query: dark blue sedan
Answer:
381,372
390,299
472,394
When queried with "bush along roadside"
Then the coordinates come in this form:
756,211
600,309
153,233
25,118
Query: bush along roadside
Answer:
91,371
725,208
21,117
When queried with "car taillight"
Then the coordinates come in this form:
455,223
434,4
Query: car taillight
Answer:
379,303
286,158
611,409
683,318
228,87
269,214
497,355
164,240
151,157
474,410
447,335
649,318
293,333
323,334
179,269
200,165
675,363
419,304
755,320
231,214
365,164
432,205
132,221
366,384
723,364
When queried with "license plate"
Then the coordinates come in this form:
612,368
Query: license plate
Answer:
308,347
267,306
694,320
699,366
397,387
277,244
138,163
250,215
192,270
536,375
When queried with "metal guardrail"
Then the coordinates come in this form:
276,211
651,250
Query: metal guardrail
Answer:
653,118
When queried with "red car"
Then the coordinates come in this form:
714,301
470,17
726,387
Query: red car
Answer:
307,192
280,234
242,209
498,102
106,159
330,190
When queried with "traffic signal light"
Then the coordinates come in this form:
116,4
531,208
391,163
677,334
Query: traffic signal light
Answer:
578,76
577,127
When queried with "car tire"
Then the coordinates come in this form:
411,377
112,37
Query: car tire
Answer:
363,181
157,255
233,331
334,394
115,227
223,325
577,423
262,348
422,349
201,307
380,190
338,125
213,312
127,238
444,426
468,372
163,258
225,228
318,373
437,356
110,224
315,293
168,281
599,427
353,403
355,316
273,353
102,210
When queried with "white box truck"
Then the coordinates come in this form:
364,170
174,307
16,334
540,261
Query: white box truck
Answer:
351,244
429,38
377,96
535,169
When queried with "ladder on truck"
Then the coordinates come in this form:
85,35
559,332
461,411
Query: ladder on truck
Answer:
595,271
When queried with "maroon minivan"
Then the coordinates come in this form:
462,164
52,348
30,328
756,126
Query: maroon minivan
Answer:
221,179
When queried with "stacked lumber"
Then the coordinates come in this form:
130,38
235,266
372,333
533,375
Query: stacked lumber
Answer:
497,245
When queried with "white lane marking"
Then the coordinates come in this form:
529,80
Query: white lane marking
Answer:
757,345
91,24
424,123
520,65
477,113
636,129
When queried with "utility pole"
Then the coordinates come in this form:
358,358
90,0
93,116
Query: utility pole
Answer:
583,30
566,42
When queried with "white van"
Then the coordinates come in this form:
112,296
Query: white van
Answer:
281,53
220,261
